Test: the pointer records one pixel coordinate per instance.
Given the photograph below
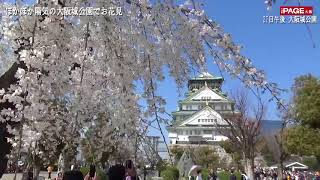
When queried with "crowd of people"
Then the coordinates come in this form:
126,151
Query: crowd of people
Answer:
301,175
11,168
265,174
126,171
271,174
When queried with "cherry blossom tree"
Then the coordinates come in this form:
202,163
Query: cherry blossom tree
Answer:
94,62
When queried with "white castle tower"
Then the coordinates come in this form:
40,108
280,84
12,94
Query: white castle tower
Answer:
200,113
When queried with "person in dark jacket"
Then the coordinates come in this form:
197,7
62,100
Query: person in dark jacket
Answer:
117,172
233,176
73,175
274,175
30,174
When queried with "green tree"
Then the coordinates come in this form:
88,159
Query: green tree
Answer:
231,149
302,140
312,163
307,101
267,150
205,156
177,152
170,173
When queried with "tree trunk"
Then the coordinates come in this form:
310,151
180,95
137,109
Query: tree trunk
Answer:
5,148
282,156
60,162
36,172
280,170
66,163
68,160
65,160
249,168
19,153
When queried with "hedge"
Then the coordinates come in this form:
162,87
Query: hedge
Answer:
226,175
170,173
205,173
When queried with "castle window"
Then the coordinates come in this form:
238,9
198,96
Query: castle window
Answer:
197,132
189,107
205,97
215,133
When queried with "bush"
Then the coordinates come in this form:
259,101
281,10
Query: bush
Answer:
170,173
312,163
226,175
205,173
101,174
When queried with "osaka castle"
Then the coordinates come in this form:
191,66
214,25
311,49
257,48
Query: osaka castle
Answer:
200,113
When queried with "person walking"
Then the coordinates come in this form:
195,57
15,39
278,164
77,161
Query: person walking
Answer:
199,175
59,176
301,176
233,176
274,175
289,176
317,176
50,168
72,175
131,173
30,174
117,172
244,176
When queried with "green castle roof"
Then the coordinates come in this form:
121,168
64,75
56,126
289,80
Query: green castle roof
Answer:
193,94
206,75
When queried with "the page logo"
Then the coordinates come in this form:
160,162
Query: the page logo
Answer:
296,10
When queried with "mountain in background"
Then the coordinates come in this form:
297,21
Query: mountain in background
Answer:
270,126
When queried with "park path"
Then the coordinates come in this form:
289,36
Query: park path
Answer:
43,174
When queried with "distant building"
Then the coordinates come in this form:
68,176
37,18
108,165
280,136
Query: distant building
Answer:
292,166
200,113
161,148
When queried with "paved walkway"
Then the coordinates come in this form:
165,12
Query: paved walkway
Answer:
43,174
